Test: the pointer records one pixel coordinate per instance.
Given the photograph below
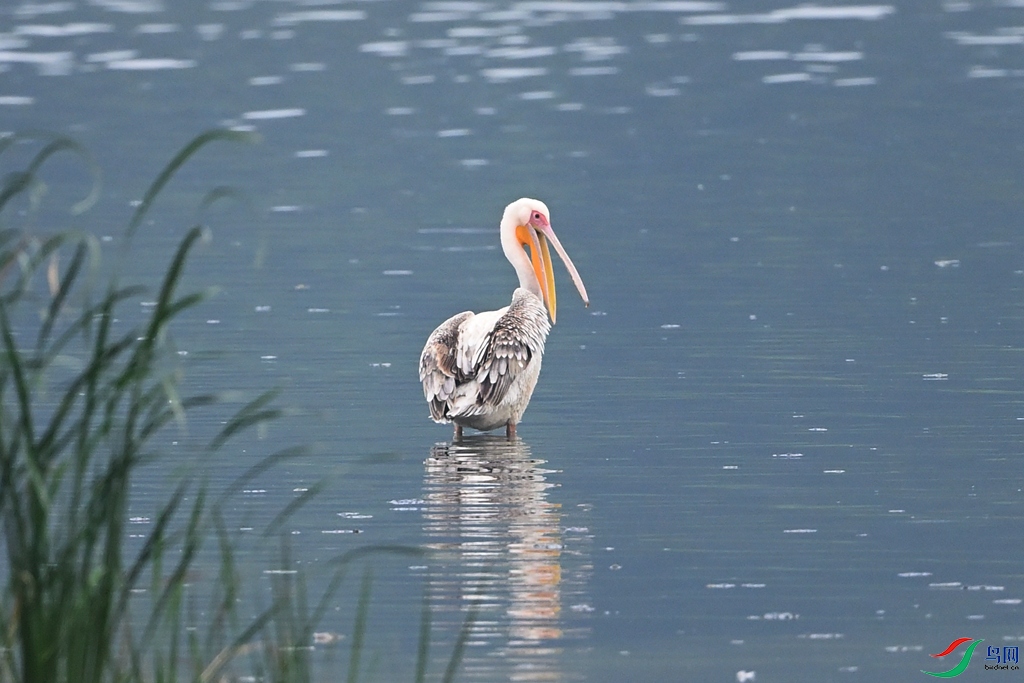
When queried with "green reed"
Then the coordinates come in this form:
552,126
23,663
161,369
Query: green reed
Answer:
73,436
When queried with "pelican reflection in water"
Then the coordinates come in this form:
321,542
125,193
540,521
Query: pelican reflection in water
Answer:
499,549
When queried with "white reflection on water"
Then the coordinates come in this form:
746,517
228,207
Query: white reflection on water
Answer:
150,64
266,114
803,12
500,551
131,6
65,31
48,63
468,32
292,18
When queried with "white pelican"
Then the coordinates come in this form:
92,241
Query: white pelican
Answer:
479,369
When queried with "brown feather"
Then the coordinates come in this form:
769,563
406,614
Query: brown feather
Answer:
520,333
439,371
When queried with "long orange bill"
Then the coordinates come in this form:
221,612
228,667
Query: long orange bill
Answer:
528,237
547,232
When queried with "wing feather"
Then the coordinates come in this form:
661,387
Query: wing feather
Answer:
470,361
519,334
439,370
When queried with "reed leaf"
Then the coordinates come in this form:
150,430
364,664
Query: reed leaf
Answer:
359,627
72,442
175,164
19,182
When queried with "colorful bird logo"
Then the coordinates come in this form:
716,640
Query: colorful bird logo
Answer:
964,660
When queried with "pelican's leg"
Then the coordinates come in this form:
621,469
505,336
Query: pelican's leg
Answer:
458,432
510,430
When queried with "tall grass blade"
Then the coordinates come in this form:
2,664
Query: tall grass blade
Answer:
19,182
460,646
72,440
359,627
261,467
57,303
293,506
223,192
217,664
252,413
175,164
423,644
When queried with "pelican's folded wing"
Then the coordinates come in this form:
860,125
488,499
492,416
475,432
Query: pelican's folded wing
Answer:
439,370
516,337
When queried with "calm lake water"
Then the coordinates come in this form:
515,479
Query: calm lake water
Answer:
784,441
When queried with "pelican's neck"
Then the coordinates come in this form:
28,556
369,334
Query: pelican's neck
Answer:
517,256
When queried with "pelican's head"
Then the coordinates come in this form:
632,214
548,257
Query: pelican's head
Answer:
530,222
